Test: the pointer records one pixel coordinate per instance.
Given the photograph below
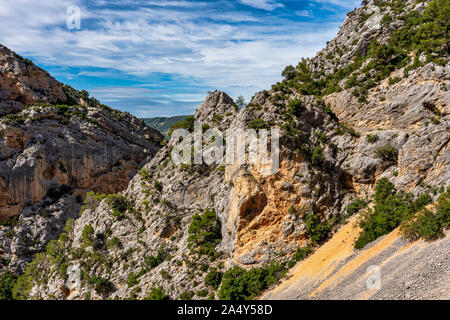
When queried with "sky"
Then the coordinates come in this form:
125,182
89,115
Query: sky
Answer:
161,57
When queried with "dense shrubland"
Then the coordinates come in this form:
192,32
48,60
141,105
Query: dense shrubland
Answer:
393,208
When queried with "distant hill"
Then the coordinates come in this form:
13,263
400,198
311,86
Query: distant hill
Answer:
163,124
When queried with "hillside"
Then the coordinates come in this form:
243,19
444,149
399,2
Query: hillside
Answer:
365,132
163,124
56,144
408,270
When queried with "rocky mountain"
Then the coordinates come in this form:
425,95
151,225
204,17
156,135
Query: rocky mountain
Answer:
364,163
163,124
56,144
23,84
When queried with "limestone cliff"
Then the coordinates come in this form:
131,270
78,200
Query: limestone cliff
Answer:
55,145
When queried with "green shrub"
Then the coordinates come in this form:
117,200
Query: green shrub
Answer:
428,225
91,201
187,124
356,205
302,253
295,107
372,138
317,156
391,208
213,278
145,174
317,230
132,280
4,262
346,128
154,261
364,17
118,204
188,295
351,82
101,285
13,119
204,232
7,282
113,243
387,153
394,80
87,235
386,19
22,288
257,124
156,294
433,36
202,293
217,118
10,222
158,186
426,33
34,272
239,284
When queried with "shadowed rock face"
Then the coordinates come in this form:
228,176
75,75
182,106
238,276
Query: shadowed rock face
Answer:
44,155
50,155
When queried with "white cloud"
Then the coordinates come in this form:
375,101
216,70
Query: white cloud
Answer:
197,44
263,4
348,4
304,13
193,97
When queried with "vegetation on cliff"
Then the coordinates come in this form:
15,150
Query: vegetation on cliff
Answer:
394,208
426,34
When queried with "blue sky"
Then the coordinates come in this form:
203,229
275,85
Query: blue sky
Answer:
160,57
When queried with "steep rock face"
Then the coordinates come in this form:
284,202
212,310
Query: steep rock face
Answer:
44,153
161,201
51,155
333,149
259,216
406,105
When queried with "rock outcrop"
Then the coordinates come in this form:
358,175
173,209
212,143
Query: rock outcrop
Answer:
22,83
